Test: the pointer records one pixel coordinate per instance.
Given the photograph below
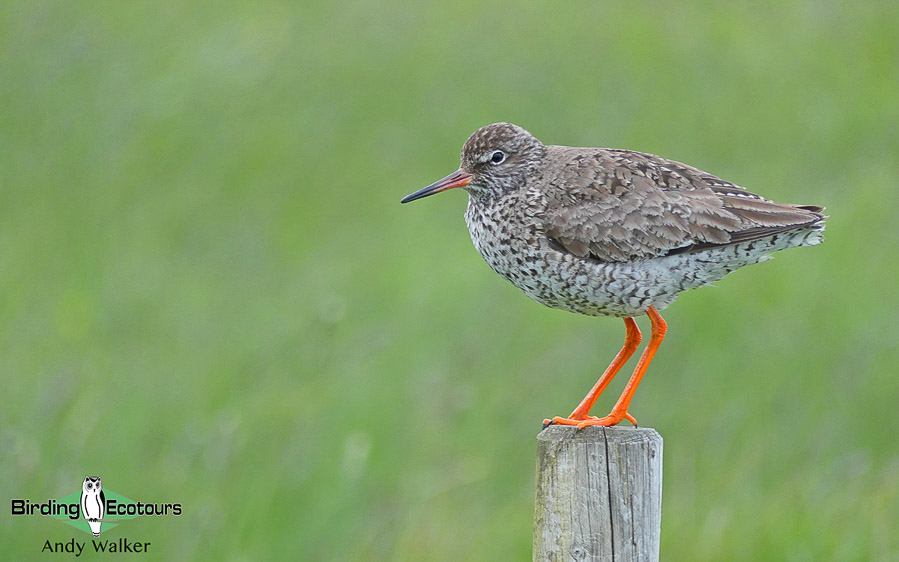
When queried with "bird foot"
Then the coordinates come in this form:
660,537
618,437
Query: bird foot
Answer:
587,421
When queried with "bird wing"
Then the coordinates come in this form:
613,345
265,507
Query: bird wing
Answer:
619,205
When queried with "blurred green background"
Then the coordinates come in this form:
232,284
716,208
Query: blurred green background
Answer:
211,294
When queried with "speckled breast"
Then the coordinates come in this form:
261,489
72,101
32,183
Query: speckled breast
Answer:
510,240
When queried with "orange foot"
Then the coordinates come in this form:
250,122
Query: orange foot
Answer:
587,421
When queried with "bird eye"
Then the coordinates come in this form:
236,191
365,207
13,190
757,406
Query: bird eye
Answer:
497,157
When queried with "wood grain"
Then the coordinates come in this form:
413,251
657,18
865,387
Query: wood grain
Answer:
598,494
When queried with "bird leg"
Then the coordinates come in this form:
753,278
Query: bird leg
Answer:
632,339
619,411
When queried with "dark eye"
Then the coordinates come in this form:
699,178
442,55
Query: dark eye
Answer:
497,156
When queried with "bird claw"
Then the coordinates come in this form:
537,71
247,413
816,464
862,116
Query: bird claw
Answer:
588,421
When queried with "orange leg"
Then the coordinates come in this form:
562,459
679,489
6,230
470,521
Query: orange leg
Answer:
619,411
632,339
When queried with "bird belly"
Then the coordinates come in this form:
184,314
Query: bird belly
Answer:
92,507
556,279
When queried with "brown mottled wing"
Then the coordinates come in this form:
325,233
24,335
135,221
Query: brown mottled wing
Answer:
618,205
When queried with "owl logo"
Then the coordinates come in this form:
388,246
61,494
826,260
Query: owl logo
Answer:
93,503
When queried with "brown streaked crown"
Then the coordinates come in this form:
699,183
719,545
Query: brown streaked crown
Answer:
500,156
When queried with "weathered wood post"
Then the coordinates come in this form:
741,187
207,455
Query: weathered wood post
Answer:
599,494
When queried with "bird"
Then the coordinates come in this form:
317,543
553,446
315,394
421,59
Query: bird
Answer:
93,503
612,232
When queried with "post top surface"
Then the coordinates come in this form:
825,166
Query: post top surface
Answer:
596,433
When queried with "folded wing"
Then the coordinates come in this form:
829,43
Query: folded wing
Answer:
618,205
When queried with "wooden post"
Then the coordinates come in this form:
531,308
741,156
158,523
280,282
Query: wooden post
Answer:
599,494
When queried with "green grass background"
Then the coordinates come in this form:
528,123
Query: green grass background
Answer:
211,294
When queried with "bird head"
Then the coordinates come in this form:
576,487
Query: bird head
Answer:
496,159
92,484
